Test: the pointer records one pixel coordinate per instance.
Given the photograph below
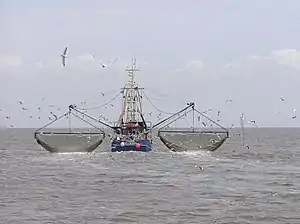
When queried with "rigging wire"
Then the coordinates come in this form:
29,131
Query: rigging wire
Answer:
159,110
201,113
211,120
103,105
87,122
51,122
163,95
177,118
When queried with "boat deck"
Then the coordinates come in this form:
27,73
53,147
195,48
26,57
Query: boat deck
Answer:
128,144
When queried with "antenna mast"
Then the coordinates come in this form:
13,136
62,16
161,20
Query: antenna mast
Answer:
242,129
131,72
132,97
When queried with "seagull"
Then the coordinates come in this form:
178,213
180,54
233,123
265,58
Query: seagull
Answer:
199,166
63,56
253,122
109,62
228,100
103,65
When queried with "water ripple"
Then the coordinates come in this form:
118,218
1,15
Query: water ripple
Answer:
236,185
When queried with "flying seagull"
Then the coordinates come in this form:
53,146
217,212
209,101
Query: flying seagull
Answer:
228,100
63,56
110,62
104,65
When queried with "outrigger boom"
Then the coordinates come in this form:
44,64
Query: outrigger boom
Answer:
73,107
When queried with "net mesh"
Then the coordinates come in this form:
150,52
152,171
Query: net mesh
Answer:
197,132
85,139
182,141
69,142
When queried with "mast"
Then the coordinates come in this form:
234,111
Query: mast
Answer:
242,129
132,105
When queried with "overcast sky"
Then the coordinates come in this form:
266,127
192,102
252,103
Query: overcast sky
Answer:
204,51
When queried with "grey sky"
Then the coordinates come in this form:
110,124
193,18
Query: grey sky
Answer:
204,51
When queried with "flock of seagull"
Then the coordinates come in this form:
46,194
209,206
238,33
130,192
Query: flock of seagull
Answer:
52,113
54,110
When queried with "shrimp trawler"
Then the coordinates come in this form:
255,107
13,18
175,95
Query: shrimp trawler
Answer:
132,132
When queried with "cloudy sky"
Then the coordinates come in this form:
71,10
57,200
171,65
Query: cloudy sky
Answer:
193,50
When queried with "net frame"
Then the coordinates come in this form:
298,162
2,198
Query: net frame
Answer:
70,133
221,134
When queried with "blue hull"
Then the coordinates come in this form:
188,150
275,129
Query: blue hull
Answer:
117,146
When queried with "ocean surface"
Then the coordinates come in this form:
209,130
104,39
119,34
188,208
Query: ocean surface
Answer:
237,185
